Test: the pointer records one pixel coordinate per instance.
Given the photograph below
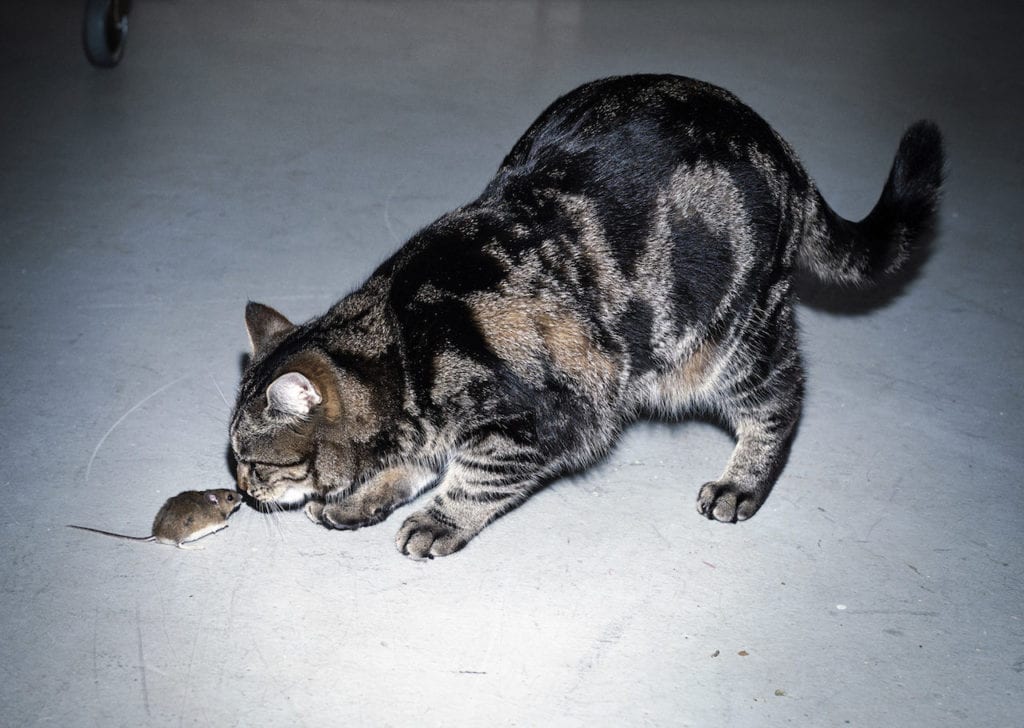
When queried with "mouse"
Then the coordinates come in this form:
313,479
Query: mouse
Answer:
186,517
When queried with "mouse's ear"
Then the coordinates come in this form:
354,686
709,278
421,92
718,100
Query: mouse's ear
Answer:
293,394
264,325
212,497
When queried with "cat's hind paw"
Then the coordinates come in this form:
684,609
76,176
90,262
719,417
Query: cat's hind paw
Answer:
423,536
725,502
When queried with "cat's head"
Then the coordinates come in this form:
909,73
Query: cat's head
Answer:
303,424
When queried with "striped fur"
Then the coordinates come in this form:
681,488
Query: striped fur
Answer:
634,253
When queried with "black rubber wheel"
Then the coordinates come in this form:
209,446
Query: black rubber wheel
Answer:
105,30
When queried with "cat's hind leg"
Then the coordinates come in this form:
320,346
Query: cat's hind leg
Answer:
761,399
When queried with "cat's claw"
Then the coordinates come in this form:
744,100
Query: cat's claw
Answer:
314,511
423,537
725,502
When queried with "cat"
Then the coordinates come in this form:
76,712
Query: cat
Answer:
634,253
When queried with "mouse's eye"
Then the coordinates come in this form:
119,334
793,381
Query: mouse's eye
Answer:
231,497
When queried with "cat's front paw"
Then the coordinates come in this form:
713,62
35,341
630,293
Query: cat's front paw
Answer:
345,516
423,536
725,502
350,515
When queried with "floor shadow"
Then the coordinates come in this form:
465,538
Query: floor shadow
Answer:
229,460
858,301
244,359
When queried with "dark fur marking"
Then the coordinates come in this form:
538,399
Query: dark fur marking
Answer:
702,271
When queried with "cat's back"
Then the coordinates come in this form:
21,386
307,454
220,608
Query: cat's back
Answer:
624,133
575,208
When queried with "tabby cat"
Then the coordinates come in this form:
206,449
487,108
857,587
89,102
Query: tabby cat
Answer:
634,253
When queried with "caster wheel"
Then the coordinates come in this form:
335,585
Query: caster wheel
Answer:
105,30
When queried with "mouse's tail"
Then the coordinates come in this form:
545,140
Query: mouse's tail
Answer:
111,533
842,251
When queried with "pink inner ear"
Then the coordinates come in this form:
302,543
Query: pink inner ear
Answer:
212,497
293,393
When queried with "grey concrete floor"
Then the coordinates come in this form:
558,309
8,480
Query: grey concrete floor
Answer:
278,152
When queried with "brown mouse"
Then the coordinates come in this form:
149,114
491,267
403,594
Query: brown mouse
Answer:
186,517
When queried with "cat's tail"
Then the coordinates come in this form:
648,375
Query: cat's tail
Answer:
842,251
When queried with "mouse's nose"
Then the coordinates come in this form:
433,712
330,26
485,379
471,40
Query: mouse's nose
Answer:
243,473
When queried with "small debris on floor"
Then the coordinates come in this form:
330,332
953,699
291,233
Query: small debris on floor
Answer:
742,653
716,653
779,692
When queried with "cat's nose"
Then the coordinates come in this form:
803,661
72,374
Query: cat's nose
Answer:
243,473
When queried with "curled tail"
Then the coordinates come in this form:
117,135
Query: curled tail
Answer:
839,250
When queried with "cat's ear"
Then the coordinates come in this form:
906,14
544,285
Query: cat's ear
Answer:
294,394
264,325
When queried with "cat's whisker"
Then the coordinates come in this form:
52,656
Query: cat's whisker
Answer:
274,525
267,518
123,417
219,390
278,523
387,207
215,414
